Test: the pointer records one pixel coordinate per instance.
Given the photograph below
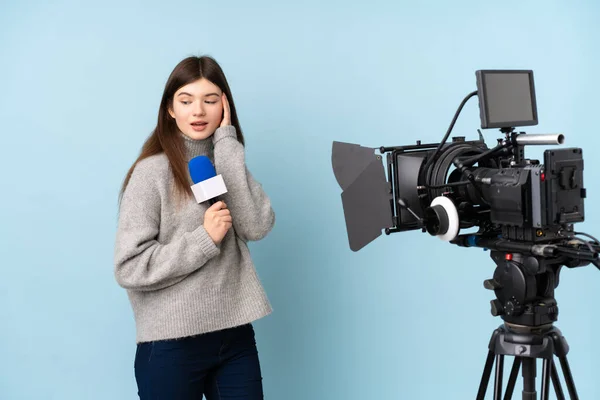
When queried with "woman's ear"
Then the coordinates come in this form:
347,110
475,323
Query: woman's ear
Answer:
171,113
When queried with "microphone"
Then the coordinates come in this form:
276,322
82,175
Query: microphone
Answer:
207,184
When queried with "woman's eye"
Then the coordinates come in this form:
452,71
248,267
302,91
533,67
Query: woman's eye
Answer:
185,102
210,102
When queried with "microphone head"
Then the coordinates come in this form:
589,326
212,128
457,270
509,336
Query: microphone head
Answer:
201,169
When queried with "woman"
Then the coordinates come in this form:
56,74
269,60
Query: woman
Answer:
188,273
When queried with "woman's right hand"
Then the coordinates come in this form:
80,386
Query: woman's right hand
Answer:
217,221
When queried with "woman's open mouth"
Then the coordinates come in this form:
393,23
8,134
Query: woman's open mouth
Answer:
199,126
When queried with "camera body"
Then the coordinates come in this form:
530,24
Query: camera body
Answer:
455,184
506,195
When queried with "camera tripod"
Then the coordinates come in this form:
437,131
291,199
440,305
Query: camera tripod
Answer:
527,344
524,287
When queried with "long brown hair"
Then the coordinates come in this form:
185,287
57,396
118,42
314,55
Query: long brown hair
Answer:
165,137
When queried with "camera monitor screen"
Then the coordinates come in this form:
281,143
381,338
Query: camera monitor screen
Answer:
506,98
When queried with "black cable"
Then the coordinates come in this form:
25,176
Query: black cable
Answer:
446,185
587,242
440,169
472,160
430,161
585,234
589,246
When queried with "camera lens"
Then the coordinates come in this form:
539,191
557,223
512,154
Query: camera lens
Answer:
436,219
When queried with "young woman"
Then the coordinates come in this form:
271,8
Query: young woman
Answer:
188,273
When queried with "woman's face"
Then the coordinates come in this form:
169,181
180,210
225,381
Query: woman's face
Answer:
198,109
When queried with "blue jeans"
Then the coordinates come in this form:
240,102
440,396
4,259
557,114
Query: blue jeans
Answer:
218,365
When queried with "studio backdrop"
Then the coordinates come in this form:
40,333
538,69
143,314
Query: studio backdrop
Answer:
407,316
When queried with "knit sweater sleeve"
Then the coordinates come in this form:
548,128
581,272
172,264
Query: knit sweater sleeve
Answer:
251,211
141,262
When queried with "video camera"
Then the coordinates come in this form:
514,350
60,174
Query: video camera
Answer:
523,211
519,205
506,195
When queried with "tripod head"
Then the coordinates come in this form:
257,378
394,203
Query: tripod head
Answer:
526,275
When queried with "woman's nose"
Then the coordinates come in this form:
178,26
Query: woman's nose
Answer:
199,109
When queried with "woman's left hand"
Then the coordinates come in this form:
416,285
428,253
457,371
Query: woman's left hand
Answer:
226,111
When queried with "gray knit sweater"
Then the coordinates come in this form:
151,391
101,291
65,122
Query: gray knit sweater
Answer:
178,281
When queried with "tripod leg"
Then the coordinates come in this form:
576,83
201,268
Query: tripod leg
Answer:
568,378
498,380
485,378
512,380
529,373
556,382
546,370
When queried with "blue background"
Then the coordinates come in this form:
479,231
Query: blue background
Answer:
407,317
